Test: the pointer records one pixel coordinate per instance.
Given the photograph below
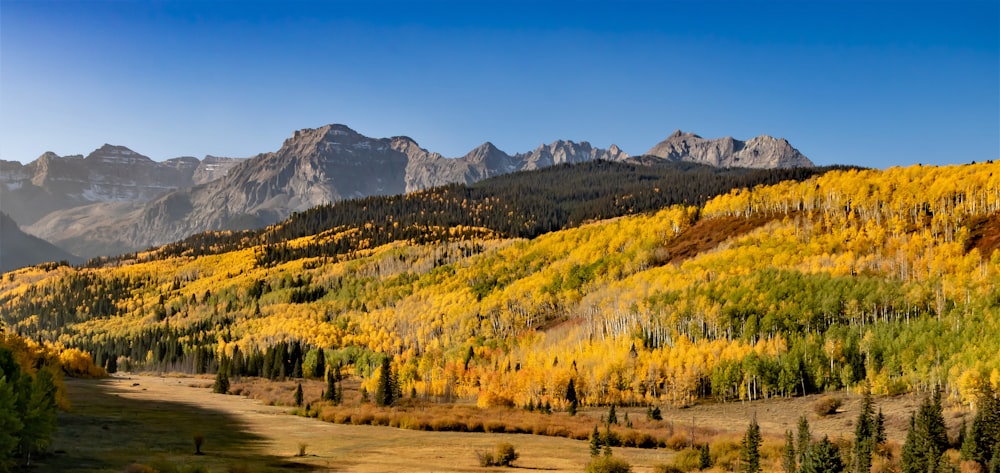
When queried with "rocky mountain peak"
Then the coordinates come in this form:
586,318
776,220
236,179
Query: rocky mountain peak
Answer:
117,155
487,154
118,200
759,152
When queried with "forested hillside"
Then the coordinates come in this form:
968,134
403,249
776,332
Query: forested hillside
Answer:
852,277
518,205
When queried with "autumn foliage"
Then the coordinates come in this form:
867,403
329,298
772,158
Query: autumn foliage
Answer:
849,278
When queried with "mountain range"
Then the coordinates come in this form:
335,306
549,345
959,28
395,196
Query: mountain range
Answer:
116,200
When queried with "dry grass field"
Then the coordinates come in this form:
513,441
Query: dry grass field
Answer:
153,421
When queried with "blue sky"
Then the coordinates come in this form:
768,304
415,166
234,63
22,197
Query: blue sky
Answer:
874,83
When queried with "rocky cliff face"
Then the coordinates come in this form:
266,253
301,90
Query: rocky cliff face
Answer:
568,152
762,152
109,174
312,167
427,170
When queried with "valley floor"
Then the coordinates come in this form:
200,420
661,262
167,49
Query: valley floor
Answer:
153,420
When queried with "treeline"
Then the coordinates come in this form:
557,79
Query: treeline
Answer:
521,205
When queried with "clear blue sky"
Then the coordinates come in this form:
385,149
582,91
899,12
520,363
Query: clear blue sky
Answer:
875,83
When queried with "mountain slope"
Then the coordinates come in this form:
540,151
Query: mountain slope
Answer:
847,279
313,167
330,164
524,205
18,249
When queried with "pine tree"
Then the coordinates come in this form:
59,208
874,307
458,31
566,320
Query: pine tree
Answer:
704,457
385,395
750,449
927,438
331,387
804,441
40,415
824,457
880,437
911,458
221,384
319,369
788,462
237,365
298,395
595,442
612,415
10,423
984,433
865,436
571,397
295,359
994,466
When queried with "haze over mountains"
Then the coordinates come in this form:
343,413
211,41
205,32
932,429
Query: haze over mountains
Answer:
116,200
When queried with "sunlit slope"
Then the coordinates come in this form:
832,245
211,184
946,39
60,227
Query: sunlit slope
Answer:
852,277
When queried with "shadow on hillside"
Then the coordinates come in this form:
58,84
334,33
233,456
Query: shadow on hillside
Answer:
106,432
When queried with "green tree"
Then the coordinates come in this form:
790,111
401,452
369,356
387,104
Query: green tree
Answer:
995,462
332,388
804,440
40,415
704,457
10,424
926,439
319,369
221,384
865,436
824,457
984,433
595,442
750,449
298,395
571,397
880,437
612,415
387,392
788,460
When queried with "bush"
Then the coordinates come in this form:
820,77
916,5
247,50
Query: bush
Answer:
504,455
634,438
827,405
687,460
608,465
661,468
724,453
677,441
